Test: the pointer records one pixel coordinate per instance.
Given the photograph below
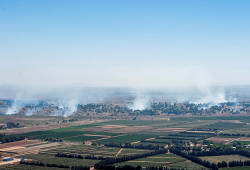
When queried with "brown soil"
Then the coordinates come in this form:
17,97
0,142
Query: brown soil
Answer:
46,127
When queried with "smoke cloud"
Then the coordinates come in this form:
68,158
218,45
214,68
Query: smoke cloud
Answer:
67,100
141,101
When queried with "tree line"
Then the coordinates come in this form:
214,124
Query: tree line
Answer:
224,164
222,151
194,159
239,163
79,156
129,167
7,139
193,156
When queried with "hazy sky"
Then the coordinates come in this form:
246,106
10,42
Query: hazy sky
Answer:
138,43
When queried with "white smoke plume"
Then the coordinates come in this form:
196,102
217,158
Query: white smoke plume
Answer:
141,101
65,107
212,98
13,109
70,107
32,111
67,100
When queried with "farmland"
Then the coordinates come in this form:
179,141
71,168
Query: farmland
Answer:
92,143
226,158
237,168
169,160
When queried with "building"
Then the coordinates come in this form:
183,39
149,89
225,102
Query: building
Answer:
6,159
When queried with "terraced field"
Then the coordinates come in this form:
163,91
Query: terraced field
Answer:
84,150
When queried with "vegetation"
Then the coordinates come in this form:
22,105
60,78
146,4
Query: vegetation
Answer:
106,162
165,108
6,139
116,146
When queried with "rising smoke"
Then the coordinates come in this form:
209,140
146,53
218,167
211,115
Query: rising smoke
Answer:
141,101
66,108
13,109
67,100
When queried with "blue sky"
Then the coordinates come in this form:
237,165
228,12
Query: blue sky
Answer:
141,43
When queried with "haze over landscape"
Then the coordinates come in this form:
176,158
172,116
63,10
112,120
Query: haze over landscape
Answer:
125,85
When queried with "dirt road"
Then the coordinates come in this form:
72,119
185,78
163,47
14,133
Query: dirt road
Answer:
117,154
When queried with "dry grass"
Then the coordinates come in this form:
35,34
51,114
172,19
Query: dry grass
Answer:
19,143
227,158
227,140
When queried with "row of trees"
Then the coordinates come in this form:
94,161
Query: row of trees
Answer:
128,167
239,163
193,156
194,159
6,139
34,163
221,151
224,164
79,156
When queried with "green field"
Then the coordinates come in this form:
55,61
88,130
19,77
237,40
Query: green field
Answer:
84,150
126,138
28,167
168,160
72,139
237,168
